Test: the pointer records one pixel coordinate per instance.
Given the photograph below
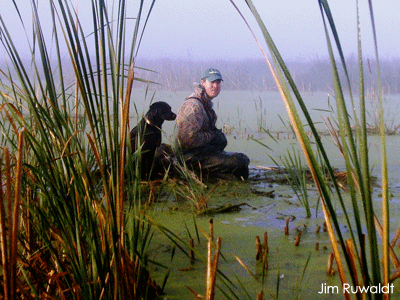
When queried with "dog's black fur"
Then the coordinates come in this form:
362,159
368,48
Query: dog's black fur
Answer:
148,133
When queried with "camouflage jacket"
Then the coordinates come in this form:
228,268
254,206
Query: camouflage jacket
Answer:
196,123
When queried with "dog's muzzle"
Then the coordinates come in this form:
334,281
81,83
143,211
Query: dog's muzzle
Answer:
172,117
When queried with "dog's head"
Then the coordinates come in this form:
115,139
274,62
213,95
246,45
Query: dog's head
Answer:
160,112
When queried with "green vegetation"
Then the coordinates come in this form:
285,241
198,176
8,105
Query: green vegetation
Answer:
364,251
66,211
297,177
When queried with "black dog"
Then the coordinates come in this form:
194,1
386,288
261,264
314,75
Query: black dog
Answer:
148,133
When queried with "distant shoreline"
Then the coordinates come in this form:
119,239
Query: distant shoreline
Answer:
310,75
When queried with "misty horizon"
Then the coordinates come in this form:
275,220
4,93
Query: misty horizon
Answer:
310,75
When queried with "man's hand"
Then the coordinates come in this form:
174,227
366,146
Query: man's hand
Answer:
219,141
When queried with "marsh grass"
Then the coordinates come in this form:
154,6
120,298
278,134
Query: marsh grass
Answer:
297,177
366,256
81,231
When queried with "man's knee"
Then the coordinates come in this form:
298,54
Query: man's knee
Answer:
242,159
221,162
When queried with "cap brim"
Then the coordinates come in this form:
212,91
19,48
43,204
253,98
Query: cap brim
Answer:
214,77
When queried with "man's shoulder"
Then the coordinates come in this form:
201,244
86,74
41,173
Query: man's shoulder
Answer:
193,102
190,106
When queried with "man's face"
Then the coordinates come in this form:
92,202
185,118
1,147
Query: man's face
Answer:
212,88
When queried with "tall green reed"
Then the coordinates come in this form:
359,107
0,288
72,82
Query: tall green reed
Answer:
81,221
10,201
363,252
297,177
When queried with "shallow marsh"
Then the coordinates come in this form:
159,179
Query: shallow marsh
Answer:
244,112
239,229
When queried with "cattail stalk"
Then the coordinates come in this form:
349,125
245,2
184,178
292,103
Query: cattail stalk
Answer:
258,249
287,227
212,264
297,241
330,270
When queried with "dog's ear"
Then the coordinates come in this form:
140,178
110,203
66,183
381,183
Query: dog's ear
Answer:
152,113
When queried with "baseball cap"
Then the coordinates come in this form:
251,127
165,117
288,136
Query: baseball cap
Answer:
211,75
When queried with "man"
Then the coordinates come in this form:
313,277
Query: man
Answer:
201,142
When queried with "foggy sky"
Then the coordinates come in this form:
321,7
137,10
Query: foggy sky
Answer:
212,29
208,28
